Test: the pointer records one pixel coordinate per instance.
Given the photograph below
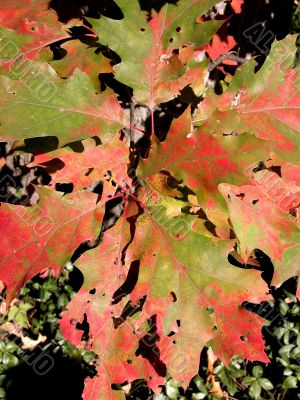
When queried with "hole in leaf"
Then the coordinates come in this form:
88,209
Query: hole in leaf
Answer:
77,146
129,283
148,348
173,297
96,188
85,327
118,386
89,171
64,187
276,169
178,29
259,167
53,165
129,310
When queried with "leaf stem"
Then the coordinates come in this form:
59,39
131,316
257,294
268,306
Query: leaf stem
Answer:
228,56
156,227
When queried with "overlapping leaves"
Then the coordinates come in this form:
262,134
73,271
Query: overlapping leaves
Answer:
154,69
159,285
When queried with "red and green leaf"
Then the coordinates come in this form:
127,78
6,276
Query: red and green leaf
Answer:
252,104
97,163
177,281
45,235
30,26
80,56
45,102
159,285
153,70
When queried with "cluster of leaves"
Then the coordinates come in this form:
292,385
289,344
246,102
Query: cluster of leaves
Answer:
40,297
40,304
30,329
163,215
248,380
296,19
